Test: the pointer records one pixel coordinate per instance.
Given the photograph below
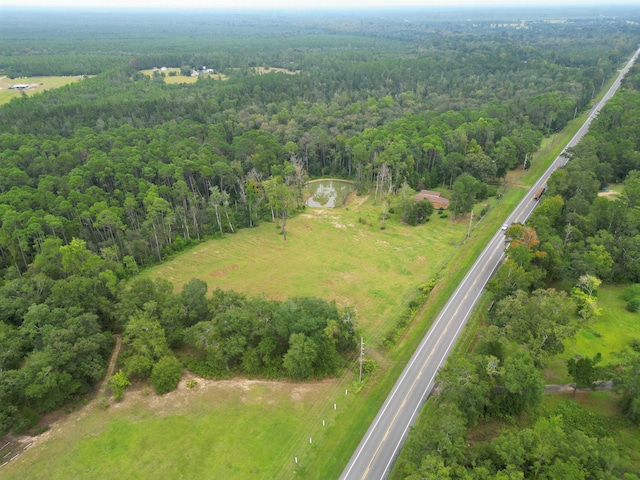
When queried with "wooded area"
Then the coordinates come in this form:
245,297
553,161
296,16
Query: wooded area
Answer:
574,237
110,175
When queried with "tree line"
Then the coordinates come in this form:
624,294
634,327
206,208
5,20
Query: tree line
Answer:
57,319
580,238
104,177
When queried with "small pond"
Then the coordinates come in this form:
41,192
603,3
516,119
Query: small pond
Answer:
328,193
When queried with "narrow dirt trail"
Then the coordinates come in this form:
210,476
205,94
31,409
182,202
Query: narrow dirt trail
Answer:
571,387
112,365
12,446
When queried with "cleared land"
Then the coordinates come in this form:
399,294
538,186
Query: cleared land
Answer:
330,254
263,70
227,429
178,78
38,85
611,332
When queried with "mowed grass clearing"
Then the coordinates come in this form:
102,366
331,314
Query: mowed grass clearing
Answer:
329,254
612,331
228,429
175,79
48,83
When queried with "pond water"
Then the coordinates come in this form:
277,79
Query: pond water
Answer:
328,193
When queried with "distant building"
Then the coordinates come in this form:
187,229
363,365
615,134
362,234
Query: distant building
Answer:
21,86
435,198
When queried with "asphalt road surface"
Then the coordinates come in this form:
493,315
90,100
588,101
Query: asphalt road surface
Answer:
378,449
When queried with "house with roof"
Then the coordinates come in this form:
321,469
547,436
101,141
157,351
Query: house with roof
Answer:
435,198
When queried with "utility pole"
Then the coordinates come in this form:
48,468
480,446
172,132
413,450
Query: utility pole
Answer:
361,354
470,219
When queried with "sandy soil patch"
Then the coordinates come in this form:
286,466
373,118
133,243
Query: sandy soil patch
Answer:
263,70
224,271
354,201
608,193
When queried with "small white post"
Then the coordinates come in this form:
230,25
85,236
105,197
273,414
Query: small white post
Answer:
323,423
309,440
346,391
296,460
334,406
361,354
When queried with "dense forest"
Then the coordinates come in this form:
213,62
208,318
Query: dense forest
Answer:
107,176
574,237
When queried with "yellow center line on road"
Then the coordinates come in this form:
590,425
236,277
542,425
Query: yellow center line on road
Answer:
404,400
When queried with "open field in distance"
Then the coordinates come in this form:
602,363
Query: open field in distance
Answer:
175,79
38,85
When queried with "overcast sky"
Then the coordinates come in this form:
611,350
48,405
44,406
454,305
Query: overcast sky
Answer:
296,4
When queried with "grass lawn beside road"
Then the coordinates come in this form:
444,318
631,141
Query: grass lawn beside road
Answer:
328,254
230,429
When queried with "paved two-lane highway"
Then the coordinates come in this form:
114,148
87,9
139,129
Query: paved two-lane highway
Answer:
379,447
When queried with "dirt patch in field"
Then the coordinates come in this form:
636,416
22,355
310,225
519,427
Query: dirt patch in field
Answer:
608,193
354,201
192,387
264,70
224,271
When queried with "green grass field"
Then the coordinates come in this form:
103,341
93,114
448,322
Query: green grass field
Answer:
40,84
334,254
613,330
175,79
231,429
329,254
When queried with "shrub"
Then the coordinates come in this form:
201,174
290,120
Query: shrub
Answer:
166,374
369,367
633,305
28,419
40,430
117,383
